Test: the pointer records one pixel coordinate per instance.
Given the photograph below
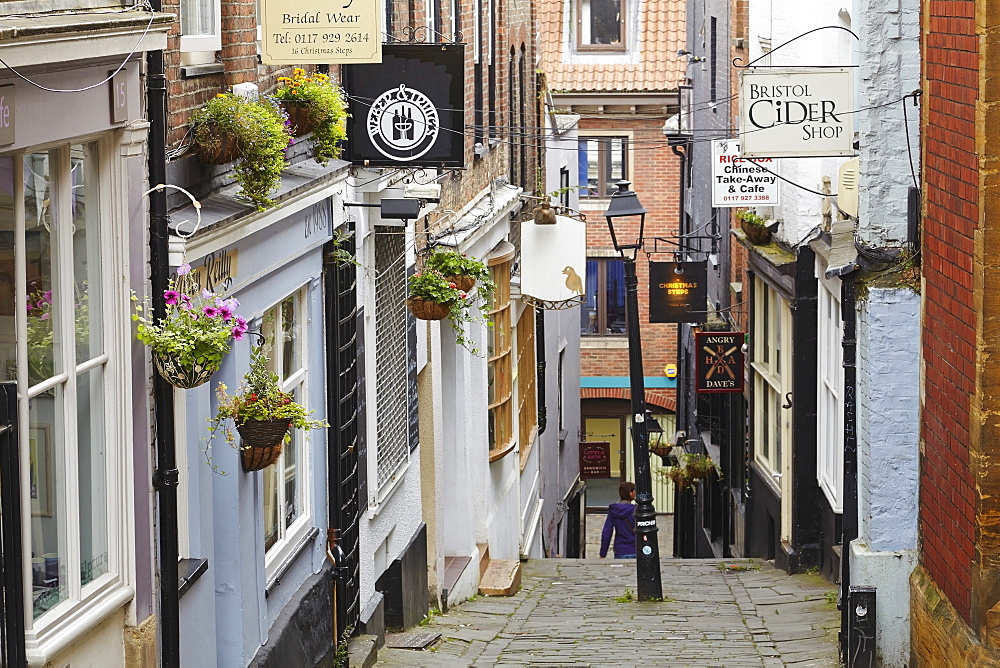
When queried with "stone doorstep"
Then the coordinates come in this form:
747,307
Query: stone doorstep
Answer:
501,578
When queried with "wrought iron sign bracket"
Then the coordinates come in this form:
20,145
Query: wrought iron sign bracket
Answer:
737,60
422,35
681,244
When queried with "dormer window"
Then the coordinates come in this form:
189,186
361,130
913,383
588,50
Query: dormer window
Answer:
600,25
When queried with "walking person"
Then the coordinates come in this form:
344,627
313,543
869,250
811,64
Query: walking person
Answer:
621,523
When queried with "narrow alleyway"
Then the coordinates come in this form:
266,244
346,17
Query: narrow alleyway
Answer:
579,613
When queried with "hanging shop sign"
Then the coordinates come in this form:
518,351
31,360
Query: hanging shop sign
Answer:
793,113
595,460
410,109
304,32
678,291
739,182
554,260
718,361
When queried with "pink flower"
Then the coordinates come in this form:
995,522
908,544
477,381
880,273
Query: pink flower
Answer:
184,269
205,294
226,314
44,316
47,297
237,334
210,311
171,297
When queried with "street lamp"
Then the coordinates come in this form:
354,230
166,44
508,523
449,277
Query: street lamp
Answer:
625,203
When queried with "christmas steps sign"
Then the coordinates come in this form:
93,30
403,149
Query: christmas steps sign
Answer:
718,358
409,110
314,31
678,291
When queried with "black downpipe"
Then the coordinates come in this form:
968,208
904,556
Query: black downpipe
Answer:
165,476
680,205
540,373
848,300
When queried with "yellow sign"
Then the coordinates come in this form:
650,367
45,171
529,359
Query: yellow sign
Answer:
318,32
670,371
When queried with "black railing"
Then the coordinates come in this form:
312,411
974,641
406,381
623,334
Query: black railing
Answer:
12,557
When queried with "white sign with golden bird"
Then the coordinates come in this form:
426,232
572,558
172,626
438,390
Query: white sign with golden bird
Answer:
554,262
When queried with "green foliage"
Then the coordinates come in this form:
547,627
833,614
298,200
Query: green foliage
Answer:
259,398
259,130
343,651
434,286
196,329
691,469
627,597
453,263
41,364
327,109
751,218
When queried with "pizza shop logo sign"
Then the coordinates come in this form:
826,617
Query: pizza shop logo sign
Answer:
403,123
796,113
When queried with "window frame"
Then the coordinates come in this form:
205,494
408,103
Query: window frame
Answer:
501,435
525,381
605,180
583,11
109,591
204,42
830,393
601,299
297,383
771,366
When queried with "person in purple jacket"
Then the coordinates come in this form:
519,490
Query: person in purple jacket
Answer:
621,522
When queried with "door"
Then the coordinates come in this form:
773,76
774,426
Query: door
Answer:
602,492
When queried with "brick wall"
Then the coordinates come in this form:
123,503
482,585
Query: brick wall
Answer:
947,494
655,177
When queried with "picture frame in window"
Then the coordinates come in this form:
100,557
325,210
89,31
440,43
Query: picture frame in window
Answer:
40,475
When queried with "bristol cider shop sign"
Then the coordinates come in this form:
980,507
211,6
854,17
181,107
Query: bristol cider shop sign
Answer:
297,32
718,361
410,109
796,112
678,291
739,182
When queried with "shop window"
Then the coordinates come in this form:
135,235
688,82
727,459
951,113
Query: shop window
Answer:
286,512
830,422
57,255
772,381
600,25
527,403
391,399
499,371
603,163
603,314
201,31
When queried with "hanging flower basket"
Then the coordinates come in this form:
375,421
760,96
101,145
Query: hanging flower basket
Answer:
299,117
426,309
262,442
182,377
463,282
756,234
215,146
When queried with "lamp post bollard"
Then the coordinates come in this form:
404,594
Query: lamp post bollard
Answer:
648,586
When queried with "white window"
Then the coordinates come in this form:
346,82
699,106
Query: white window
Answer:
201,31
830,398
286,501
772,382
62,299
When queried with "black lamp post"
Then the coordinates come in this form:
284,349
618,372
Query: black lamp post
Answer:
625,203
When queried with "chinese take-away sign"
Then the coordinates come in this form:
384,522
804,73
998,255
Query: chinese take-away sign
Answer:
718,361
314,31
739,182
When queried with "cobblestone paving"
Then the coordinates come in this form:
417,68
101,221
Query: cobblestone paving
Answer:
717,613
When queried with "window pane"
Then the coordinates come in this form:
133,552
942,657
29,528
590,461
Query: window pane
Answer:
583,162
615,286
86,253
93,484
47,466
38,251
617,167
197,17
593,180
604,21
270,506
289,338
291,458
588,314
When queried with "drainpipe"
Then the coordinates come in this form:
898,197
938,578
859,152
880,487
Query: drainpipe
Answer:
165,476
540,371
848,300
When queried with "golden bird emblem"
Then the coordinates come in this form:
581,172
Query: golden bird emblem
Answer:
573,281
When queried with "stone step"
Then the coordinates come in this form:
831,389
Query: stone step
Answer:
502,578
